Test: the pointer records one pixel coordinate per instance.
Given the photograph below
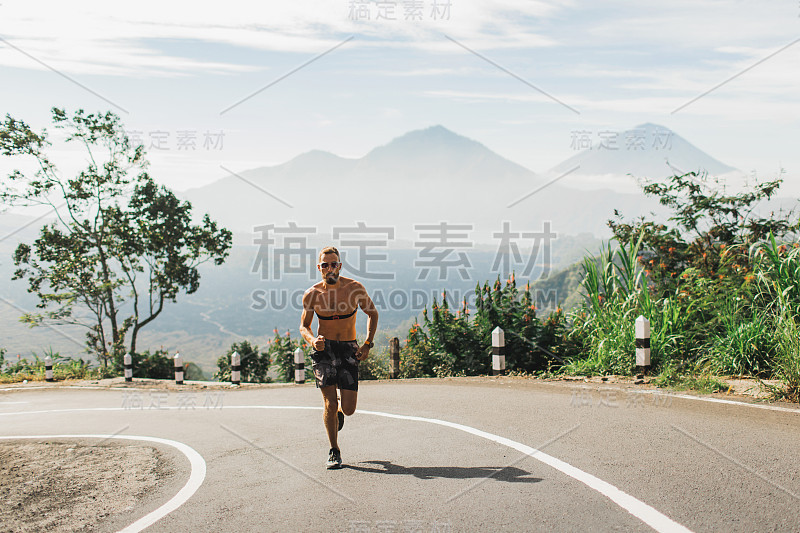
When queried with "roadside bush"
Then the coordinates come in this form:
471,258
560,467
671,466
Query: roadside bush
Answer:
787,360
281,349
377,366
255,365
156,365
63,368
677,377
745,344
451,343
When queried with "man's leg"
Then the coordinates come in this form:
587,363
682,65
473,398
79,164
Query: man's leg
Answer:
329,414
349,399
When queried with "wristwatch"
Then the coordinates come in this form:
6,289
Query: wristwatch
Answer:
369,344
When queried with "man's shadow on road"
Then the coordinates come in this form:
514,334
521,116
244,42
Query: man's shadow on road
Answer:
508,473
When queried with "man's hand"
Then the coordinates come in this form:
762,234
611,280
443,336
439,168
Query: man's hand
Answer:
319,343
363,352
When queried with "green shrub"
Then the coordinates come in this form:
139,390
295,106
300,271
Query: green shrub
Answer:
787,360
156,365
254,365
377,366
281,350
745,344
451,343
673,376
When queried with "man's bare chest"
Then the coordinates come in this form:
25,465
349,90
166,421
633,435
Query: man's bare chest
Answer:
335,302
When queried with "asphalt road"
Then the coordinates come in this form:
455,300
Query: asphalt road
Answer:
613,459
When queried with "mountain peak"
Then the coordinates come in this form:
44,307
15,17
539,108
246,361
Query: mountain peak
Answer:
437,135
649,126
431,140
647,151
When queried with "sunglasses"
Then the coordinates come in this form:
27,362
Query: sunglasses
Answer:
332,265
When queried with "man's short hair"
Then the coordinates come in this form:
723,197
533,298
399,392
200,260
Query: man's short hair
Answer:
329,250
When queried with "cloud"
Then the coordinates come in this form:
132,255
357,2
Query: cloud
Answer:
94,37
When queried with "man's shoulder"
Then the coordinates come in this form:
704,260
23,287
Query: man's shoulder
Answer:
314,289
350,283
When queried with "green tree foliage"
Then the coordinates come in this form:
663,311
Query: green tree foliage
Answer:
122,245
709,281
255,364
63,368
156,365
281,350
710,231
449,343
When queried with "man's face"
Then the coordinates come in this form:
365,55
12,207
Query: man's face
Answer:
329,272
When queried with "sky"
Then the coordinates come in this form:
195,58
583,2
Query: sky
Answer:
237,85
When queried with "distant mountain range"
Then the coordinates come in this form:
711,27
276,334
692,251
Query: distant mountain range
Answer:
423,177
618,160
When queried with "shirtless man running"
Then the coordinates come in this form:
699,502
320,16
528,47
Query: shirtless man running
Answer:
335,301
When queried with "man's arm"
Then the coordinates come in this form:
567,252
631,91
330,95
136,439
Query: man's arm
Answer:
318,341
368,306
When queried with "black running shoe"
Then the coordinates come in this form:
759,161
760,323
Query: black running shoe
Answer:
334,459
341,419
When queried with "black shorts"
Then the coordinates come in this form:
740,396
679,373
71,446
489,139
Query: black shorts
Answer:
336,365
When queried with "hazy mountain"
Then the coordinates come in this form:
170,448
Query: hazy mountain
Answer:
423,177
649,151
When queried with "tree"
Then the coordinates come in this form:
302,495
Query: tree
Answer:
121,246
711,231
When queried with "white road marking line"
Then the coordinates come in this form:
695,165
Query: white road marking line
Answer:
639,509
729,402
196,477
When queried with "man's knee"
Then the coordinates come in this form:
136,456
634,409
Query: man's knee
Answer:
349,400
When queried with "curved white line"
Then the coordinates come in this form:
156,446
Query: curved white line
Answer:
196,477
639,509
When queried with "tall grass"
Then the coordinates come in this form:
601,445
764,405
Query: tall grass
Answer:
63,368
616,294
779,283
745,343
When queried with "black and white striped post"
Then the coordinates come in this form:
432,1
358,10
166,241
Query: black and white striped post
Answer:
498,351
48,368
128,363
394,351
178,369
236,368
299,367
642,343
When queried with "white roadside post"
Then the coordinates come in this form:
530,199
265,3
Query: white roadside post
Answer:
236,368
498,351
642,343
48,368
178,369
128,362
394,350
299,367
